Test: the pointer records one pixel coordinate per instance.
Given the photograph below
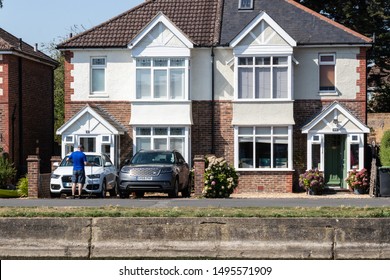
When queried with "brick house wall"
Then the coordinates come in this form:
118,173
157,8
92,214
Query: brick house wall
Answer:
27,89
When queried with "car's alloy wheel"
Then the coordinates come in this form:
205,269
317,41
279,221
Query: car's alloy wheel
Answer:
186,192
114,190
102,194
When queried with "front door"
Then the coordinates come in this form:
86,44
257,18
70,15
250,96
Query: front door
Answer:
334,160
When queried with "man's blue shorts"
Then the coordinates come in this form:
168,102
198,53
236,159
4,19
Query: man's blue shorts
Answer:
78,176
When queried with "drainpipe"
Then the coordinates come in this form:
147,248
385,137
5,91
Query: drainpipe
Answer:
212,103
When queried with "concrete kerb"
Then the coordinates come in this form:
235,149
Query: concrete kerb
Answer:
237,238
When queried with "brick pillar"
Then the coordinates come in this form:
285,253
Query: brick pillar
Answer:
33,175
53,160
199,168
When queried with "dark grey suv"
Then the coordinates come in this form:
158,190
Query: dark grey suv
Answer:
155,171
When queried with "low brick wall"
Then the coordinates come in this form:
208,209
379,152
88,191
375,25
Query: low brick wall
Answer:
211,238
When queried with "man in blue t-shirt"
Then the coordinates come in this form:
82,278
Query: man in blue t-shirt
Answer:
79,161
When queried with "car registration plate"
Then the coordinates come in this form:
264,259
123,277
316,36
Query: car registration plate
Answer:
144,178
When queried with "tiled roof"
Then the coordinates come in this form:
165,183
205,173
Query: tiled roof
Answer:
198,19
305,26
9,42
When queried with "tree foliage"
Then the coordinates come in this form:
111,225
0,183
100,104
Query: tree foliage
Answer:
372,19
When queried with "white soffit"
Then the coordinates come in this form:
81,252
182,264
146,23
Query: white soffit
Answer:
160,113
276,27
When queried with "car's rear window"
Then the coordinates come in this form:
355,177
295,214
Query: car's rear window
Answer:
153,158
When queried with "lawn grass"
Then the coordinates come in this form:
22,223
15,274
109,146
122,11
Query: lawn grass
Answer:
263,212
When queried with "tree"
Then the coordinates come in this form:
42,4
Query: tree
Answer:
1,3
372,19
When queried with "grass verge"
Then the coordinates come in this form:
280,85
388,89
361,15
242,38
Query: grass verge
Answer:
270,212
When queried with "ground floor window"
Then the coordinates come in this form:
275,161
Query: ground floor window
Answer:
263,147
162,138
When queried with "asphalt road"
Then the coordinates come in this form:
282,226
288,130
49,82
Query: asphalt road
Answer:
164,202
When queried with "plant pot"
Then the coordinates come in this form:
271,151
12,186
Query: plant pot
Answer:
384,180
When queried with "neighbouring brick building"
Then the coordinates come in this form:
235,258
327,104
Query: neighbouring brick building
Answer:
272,86
26,102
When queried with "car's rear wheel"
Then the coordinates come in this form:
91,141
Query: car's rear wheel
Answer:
102,194
175,191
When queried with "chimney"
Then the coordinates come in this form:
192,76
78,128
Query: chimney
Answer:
36,47
20,43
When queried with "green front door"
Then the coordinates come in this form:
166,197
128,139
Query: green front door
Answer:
335,159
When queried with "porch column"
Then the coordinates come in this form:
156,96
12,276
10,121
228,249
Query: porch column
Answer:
33,166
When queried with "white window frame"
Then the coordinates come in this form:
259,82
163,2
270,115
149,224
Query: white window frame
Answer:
360,142
98,66
71,139
320,63
245,4
271,67
310,142
105,141
152,68
272,135
186,136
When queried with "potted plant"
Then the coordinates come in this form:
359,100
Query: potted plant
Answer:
358,181
384,171
312,181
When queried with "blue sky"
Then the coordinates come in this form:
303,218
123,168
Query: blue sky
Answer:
42,21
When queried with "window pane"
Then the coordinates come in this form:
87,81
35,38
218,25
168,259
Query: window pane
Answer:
245,130
177,144
263,131
245,61
280,82
263,152
326,58
98,78
177,131
280,152
98,61
160,84
88,143
160,131
177,62
160,144
263,83
263,60
143,83
143,144
316,156
281,130
177,83
160,62
143,62
327,77
354,156
280,60
245,150
143,131
106,149
245,83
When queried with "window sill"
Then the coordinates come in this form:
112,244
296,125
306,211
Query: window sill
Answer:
328,93
98,95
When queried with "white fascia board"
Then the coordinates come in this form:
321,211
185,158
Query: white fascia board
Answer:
263,16
160,17
94,114
335,105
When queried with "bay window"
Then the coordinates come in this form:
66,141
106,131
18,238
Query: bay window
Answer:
264,147
161,78
263,77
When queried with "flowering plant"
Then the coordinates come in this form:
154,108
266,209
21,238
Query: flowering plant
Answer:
220,178
312,180
358,180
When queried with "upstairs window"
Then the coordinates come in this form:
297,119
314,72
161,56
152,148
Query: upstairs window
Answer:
98,75
327,63
263,77
161,78
245,4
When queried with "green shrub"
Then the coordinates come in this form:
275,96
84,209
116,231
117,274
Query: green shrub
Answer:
220,178
384,152
22,187
7,172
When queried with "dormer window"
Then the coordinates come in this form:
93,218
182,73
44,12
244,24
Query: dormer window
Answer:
245,4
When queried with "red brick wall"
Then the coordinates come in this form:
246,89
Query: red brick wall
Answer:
37,108
68,79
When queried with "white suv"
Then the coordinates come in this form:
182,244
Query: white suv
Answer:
101,176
